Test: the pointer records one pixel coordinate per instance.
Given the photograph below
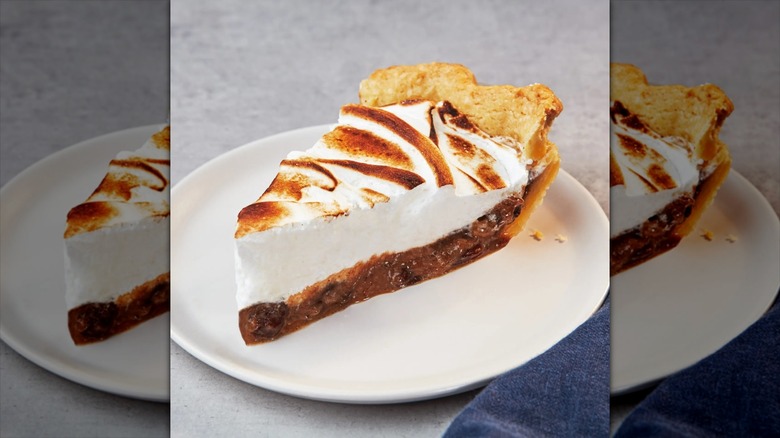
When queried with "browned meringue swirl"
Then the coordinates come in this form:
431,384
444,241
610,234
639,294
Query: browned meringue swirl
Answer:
375,154
135,187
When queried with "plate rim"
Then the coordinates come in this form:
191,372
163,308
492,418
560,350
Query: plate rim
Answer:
320,394
39,358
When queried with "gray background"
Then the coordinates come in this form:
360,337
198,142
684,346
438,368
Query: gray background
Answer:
241,72
733,44
70,71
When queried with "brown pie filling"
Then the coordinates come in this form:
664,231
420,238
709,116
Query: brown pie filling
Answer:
382,273
93,322
655,236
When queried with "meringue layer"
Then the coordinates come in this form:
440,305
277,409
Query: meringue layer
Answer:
382,180
103,264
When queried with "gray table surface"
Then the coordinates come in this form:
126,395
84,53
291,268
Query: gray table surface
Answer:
733,44
241,72
72,71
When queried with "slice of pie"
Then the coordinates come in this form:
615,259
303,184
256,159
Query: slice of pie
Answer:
666,162
116,246
429,173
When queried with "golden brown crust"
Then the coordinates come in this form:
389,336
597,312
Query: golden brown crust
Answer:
524,114
534,195
695,114
707,191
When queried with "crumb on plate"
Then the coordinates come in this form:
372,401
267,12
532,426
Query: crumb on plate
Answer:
537,235
707,235
731,238
560,238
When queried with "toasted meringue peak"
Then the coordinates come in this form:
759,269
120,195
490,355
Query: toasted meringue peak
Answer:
135,187
375,154
695,114
647,162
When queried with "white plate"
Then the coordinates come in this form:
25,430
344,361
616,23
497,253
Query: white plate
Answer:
440,337
682,306
34,317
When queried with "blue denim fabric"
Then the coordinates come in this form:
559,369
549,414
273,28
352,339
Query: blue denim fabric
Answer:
734,392
562,392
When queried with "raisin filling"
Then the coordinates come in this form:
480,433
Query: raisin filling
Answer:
652,238
93,322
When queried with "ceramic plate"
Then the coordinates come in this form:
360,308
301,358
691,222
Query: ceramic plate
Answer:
443,336
34,318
